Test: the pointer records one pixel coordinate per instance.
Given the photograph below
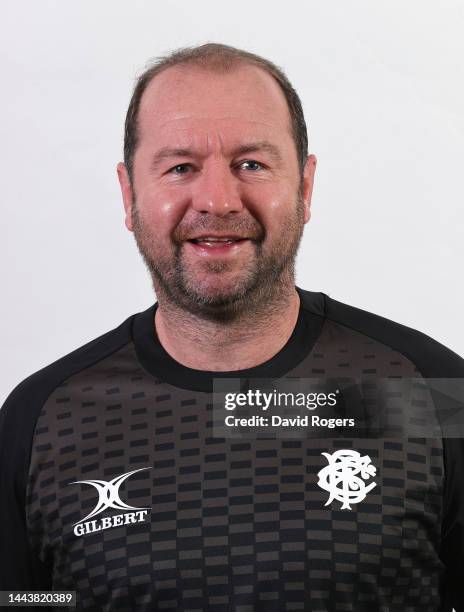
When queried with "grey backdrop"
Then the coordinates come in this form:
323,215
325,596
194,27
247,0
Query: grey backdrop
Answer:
382,86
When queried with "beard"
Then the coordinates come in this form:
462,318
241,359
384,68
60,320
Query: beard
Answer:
261,282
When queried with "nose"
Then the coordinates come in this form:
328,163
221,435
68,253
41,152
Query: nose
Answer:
216,191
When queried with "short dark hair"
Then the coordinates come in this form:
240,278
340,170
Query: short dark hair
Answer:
220,58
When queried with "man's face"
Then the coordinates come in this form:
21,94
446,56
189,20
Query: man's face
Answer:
217,206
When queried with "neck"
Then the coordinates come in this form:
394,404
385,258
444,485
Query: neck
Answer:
249,340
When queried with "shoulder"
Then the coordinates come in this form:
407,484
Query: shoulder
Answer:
23,404
433,359
18,418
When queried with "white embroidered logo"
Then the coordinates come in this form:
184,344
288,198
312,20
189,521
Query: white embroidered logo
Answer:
340,478
108,494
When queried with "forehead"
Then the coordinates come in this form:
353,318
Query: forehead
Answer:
187,101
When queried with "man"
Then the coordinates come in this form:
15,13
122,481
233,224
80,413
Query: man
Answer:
113,482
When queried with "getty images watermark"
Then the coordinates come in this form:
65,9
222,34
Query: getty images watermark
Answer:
370,406
256,398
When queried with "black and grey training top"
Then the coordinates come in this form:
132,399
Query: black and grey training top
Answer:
177,519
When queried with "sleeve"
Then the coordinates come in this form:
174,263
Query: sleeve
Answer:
20,567
436,361
452,546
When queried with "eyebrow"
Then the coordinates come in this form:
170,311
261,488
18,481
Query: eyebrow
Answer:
252,147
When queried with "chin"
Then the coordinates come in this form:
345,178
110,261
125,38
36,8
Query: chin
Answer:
221,301
230,285
215,296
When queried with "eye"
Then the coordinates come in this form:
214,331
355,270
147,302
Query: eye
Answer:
252,165
179,169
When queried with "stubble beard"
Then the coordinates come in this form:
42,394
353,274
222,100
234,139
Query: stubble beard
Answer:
264,282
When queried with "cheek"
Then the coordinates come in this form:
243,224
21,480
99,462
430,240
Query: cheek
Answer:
273,218
161,211
271,205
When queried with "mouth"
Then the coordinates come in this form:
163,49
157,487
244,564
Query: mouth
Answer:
215,240
218,245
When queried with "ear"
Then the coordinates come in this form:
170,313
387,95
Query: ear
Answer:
127,194
308,182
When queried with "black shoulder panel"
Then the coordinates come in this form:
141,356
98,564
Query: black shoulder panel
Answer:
20,569
313,301
433,360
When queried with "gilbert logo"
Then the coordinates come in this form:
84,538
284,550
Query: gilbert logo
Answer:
108,497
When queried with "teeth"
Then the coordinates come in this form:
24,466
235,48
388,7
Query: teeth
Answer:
216,239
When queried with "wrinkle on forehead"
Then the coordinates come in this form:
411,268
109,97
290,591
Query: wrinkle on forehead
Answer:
203,120
203,135
214,141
